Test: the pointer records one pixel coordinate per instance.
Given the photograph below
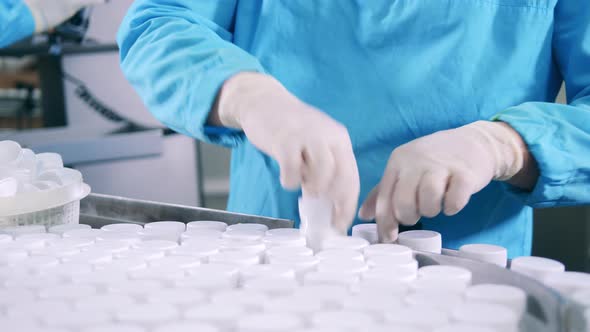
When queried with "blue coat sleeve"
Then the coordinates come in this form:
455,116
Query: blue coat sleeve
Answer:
177,54
16,22
558,136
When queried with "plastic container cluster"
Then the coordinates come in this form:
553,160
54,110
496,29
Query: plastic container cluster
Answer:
37,188
207,276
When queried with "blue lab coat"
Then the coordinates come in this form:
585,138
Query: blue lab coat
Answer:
391,71
16,22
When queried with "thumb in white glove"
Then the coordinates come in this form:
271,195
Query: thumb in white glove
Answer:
50,13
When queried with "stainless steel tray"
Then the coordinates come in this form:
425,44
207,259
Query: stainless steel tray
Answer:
547,311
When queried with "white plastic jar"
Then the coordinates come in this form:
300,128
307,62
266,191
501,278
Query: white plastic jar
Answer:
122,228
497,317
445,273
485,253
166,226
366,231
345,242
421,240
508,296
269,322
207,224
423,318
536,267
148,315
223,316
343,320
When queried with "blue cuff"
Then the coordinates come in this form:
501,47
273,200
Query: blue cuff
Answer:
18,22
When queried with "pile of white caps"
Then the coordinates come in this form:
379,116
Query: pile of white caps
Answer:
207,276
32,182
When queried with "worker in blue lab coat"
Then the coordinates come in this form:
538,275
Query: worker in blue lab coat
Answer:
438,111
21,18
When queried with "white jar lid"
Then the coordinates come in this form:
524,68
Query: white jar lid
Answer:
269,322
253,247
55,250
62,228
400,252
33,282
328,295
272,286
99,277
11,255
421,240
343,320
5,239
116,327
25,229
345,242
398,328
345,254
384,286
148,313
509,296
300,264
287,252
18,324
567,283
536,267
67,271
122,228
424,318
112,247
366,231
330,278
178,297
76,319
185,327
141,288
485,253
210,278
285,239
354,267
27,244
437,300
124,237
166,226
163,274
123,265
446,273
10,297
293,304
242,235
36,309
372,303
200,251
90,256
76,242
83,233
490,315
438,285
39,263
156,245
280,232
459,327
247,299
110,303
266,271
237,258
390,262
67,292
47,238
159,234
176,262
392,274
201,234
248,227
208,224
221,315
141,254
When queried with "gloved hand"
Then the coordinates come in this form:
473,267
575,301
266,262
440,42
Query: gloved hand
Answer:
312,149
440,172
50,13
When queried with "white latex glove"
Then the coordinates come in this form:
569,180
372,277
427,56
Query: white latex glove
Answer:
440,172
312,149
50,13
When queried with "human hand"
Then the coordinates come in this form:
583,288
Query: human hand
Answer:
440,172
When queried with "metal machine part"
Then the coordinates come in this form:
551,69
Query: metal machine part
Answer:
547,311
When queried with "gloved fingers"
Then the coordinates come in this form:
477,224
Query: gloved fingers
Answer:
367,210
290,159
458,193
431,192
318,167
387,225
405,198
344,188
